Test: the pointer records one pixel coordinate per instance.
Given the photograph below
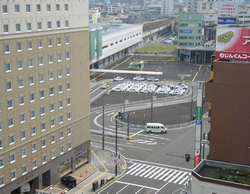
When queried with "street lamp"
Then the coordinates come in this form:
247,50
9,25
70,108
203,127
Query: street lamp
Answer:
103,125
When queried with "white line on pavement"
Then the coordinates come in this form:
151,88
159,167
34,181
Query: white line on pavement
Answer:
180,177
174,177
122,189
137,133
137,185
165,174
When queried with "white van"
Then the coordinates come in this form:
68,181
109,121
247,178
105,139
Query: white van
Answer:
156,127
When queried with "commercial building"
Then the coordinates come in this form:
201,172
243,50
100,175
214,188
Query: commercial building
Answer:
227,168
112,41
167,7
189,30
44,87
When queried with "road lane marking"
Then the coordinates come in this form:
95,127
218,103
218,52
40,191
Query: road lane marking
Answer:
132,166
137,133
151,172
137,185
139,190
170,176
183,180
166,174
197,73
122,189
180,177
174,177
142,171
155,173
137,170
146,171
161,173
161,188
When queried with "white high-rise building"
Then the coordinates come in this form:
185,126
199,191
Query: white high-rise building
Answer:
167,7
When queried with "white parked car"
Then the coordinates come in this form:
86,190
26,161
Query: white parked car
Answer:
183,86
117,89
118,79
104,86
138,78
162,91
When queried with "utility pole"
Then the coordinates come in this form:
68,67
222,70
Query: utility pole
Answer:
103,127
116,146
152,107
191,113
128,125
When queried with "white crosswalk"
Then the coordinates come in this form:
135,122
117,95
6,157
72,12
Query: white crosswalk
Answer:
158,173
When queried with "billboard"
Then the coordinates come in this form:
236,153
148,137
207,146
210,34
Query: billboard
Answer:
226,20
228,9
233,43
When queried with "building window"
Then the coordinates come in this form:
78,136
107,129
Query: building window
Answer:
41,94
31,80
52,107
52,123
23,135
43,126
59,57
43,143
51,91
53,139
11,122
66,23
69,131
38,8
66,7
51,75
27,8
24,152
60,104
41,77
11,139
40,61
60,89
33,148
49,42
42,110
10,104
68,86
21,100
19,47
40,43
69,115
61,150
17,9
5,9
67,71
33,130
18,27
1,181
57,7
30,45
12,175
58,24
20,83
58,41
32,114
19,64
12,157
67,39
53,154
50,59
28,26
32,97
22,117
24,169
69,146
48,8
6,28
7,48
39,25
68,101
59,73
34,165
49,25
67,55
61,134
44,158
7,67
1,145
30,61
60,119
9,85
1,165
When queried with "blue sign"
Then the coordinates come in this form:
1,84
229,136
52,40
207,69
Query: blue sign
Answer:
186,31
226,20
125,116
81,153
203,24
115,155
198,122
115,161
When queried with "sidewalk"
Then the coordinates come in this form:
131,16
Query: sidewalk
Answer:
101,167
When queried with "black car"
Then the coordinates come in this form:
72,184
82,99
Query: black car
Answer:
68,181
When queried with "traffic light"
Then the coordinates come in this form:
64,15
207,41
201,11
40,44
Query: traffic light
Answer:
187,157
119,114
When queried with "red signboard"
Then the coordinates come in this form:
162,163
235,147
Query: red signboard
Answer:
233,43
197,158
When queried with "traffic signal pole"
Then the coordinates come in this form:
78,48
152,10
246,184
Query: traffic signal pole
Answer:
128,125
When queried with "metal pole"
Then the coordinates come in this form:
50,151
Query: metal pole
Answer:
116,147
203,150
128,125
103,127
123,103
151,107
191,113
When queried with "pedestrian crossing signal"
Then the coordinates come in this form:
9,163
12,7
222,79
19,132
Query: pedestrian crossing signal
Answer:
187,157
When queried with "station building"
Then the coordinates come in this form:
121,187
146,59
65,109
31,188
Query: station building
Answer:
44,117
111,41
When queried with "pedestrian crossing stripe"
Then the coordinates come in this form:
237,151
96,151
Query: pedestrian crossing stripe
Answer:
162,174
